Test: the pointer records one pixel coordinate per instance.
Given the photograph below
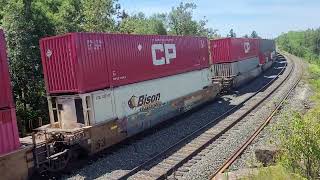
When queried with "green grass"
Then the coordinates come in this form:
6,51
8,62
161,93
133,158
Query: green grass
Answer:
299,140
314,81
274,173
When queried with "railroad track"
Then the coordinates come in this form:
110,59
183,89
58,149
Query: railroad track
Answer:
249,140
168,163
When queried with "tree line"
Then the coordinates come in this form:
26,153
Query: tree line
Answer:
305,44
26,21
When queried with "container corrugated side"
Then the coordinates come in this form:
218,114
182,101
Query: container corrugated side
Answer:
228,50
220,50
9,136
244,48
74,63
6,99
84,62
140,58
267,45
58,62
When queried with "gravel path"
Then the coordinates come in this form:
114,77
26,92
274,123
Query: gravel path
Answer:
116,163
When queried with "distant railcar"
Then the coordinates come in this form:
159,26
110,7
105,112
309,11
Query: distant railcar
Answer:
267,52
228,50
238,60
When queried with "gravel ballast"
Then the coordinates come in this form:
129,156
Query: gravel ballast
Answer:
220,152
298,101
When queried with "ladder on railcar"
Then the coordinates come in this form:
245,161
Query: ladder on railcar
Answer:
226,83
45,160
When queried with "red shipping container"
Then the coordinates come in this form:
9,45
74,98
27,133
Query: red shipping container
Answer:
228,50
264,57
84,62
6,99
9,136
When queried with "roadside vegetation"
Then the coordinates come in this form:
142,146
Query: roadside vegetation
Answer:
299,134
301,138
274,173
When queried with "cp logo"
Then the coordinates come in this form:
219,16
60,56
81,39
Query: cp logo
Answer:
169,53
246,47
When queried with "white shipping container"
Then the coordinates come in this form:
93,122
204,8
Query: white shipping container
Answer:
105,105
161,90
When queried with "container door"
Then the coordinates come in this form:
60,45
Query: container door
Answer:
59,64
103,106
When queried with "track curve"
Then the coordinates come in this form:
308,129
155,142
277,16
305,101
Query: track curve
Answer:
147,170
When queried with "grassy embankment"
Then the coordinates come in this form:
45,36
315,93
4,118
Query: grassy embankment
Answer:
300,135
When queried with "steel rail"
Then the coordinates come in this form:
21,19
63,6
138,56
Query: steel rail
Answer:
213,122
244,146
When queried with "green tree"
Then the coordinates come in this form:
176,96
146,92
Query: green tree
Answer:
123,15
98,15
3,4
81,15
300,134
180,22
24,25
204,31
302,43
66,15
140,24
254,34
231,33
300,141
180,19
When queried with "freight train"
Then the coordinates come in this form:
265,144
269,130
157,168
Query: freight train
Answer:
103,88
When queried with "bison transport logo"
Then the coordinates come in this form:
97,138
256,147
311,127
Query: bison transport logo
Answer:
132,102
144,101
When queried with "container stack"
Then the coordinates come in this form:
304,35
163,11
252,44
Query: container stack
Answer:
112,76
9,136
84,62
233,56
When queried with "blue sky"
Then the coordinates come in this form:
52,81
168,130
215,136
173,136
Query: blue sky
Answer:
268,17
